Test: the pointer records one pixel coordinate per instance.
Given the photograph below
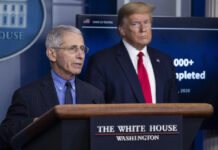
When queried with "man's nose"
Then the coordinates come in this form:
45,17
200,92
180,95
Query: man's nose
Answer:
143,27
80,53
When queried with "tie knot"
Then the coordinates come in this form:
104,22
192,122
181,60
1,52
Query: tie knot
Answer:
140,54
68,84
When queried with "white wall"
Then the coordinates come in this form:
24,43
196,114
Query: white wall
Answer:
211,8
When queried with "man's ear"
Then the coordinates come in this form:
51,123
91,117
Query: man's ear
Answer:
51,54
121,30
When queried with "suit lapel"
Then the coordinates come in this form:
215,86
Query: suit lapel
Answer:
155,61
128,69
81,96
48,92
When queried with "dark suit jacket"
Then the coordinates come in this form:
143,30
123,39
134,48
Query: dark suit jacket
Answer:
112,71
35,99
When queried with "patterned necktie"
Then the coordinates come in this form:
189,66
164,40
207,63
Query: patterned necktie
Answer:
68,96
143,79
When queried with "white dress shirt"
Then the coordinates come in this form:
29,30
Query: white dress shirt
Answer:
133,53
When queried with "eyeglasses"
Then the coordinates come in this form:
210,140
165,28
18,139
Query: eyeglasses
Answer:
75,48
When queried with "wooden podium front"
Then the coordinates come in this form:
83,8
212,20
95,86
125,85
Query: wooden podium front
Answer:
66,127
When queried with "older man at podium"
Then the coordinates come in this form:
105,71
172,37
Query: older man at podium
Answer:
66,52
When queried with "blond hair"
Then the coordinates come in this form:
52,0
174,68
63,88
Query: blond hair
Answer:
132,8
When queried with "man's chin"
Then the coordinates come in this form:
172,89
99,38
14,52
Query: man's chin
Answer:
76,72
145,42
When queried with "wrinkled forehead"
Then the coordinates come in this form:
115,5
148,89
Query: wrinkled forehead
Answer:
73,37
137,17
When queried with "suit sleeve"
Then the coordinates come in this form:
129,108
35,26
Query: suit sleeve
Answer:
16,119
95,74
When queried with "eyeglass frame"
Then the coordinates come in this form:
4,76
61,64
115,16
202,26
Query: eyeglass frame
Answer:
74,48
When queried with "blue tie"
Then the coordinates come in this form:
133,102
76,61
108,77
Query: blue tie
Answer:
68,95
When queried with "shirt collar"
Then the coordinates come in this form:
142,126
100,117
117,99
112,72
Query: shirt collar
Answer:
60,82
133,52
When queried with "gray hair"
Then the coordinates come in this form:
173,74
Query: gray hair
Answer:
54,37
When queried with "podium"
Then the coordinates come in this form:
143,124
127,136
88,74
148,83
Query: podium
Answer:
67,127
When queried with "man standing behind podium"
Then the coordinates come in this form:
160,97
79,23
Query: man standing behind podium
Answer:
132,72
66,52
